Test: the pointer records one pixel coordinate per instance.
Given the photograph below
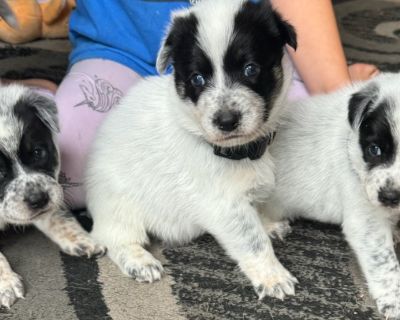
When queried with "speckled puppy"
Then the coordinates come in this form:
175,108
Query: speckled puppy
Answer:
338,160
29,190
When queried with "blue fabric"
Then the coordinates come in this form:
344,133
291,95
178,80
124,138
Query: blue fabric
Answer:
125,31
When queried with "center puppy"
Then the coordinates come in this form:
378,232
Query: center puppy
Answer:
187,153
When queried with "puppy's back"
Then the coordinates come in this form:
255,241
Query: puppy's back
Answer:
309,151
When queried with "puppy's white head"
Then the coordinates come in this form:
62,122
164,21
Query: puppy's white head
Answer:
230,68
29,158
374,114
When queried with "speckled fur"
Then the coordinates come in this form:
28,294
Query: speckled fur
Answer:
57,223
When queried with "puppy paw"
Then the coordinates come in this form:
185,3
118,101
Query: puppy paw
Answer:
277,285
271,279
278,230
140,264
81,245
389,307
145,273
11,288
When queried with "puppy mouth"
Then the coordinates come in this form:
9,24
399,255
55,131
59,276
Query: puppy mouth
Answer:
234,140
30,219
231,137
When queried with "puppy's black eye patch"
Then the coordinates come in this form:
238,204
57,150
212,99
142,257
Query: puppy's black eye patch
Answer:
34,154
192,73
187,57
36,151
6,173
254,55
376,139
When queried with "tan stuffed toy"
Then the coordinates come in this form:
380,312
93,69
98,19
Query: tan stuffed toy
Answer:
37,19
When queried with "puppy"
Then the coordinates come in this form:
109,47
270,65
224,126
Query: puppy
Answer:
338,161
186,153
29,191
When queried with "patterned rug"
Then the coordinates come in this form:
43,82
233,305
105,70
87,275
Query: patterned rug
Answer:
370,31
201,282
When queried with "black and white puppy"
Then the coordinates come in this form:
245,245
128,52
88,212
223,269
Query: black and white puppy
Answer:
338,161
185,154
29,188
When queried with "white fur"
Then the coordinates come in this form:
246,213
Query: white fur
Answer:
152,171
321,175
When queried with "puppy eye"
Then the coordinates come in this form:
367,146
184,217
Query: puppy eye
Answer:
251,70
197,80
374,150
39,154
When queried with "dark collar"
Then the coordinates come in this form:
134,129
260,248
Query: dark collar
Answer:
252,150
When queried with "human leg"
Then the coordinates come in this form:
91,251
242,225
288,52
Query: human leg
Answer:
90,89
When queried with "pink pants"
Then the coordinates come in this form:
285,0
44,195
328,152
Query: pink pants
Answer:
89,90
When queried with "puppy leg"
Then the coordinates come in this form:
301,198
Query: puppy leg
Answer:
11,287
277,229
66,232
271,218
372,241
240,232
119,227
396,235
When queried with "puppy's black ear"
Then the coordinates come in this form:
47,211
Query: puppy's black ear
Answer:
183,25
286,31
164,56
45,109
361,103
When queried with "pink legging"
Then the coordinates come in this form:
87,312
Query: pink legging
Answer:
89,90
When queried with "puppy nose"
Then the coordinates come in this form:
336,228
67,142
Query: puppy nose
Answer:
37,200
227,120
389,198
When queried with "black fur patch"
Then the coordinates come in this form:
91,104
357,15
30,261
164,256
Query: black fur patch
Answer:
187,57
360,103
6,173
36,151
259,38
375,129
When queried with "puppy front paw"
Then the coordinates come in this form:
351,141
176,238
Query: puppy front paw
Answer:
149,272
272,279
276,285
140,264
11,288
81,244
389,307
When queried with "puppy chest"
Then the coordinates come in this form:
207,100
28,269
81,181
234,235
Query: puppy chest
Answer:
251,182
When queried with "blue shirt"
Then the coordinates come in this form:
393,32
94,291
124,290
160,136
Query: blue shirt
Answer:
126,31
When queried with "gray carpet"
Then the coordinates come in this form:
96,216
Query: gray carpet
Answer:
201,282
